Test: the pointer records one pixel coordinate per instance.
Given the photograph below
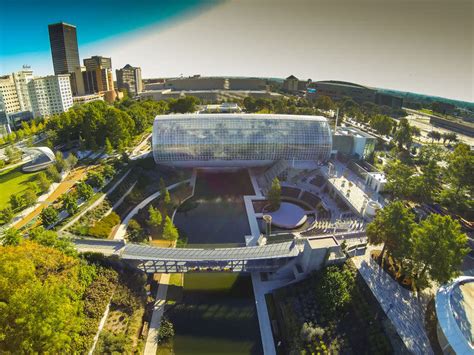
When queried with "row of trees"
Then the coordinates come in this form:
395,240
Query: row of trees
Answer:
158,222
26,130
452,186
430,250
83,191
96,123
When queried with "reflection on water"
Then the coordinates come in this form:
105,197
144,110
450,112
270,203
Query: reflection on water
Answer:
216,214
216,315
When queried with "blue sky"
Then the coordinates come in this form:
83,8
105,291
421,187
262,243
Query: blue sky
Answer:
424,46
24,30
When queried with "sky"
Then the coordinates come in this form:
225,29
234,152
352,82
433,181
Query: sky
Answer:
423,46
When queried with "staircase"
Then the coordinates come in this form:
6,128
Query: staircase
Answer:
272,172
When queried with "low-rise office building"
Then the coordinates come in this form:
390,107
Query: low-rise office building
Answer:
351,141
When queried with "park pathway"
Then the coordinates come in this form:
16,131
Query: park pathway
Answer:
404,309
73,176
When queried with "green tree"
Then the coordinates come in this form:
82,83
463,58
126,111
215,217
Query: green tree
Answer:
183,104
84,191
399,180
29,197
51,239
17,202
392,226
49,216
460,170
11,236
274,194
434,135
6,215
428,183
60,162
404,134
334,289
43,182
53,174
382,124
169,230
135,232
40,293
109,149
108,171
96,179
439,249
325,103
69,201
155,218
71,161
167,201
166,331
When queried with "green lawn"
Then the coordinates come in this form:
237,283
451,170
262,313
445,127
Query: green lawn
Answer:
13,181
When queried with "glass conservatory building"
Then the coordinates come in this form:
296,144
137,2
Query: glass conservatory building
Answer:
239,140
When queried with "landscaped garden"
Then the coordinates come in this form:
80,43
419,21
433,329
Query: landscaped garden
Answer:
332,311
13,182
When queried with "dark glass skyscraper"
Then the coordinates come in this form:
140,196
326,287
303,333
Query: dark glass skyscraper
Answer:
64,50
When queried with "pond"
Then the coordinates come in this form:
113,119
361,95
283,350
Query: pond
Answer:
216,213
214,314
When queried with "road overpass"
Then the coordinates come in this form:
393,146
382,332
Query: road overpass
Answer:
266,258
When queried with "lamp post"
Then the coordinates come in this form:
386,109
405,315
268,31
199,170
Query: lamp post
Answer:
268,224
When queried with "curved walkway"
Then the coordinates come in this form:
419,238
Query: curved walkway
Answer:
121,231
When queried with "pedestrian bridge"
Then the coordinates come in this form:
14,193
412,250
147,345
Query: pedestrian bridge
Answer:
177,260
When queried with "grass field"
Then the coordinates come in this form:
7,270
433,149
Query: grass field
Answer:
13,181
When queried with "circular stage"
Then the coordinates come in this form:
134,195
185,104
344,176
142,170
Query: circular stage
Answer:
288,216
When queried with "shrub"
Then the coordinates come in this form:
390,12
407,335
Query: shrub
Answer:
166,330
49,216
53,173
95,179
103,227
309,332
84,191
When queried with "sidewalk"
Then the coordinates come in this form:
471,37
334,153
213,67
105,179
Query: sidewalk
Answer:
402,307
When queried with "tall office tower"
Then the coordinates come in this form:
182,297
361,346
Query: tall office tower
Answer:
21,79
98,75
130,78
50,94
64,50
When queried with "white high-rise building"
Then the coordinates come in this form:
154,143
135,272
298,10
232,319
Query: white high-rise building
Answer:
21,79
9,102
50,95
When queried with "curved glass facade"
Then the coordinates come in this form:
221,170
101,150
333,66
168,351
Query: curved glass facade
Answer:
239,139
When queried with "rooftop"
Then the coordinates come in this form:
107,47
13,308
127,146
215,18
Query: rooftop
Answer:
455,312
351,131
243,116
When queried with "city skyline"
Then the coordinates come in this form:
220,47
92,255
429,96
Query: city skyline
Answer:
394,45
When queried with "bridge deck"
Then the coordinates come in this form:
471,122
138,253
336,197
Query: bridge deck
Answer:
273,251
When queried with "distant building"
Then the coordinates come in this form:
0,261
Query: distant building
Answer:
15,119
130,78
210,96
64,49
98,75
225,107
197,83
353,142
77,82
50,95
247,84
9,101
21,79
338,90
291,84
83,99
